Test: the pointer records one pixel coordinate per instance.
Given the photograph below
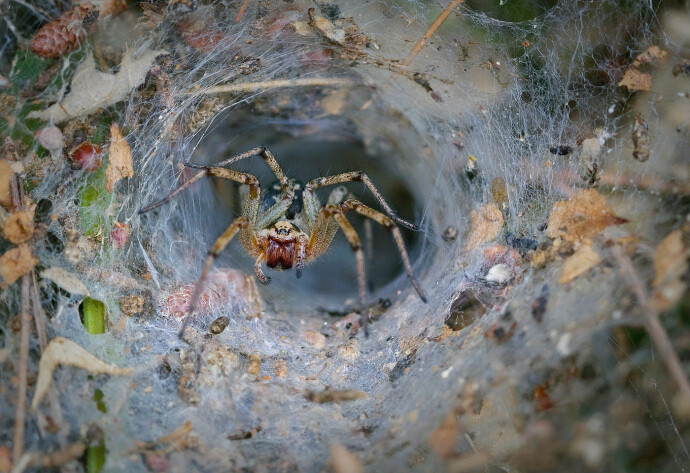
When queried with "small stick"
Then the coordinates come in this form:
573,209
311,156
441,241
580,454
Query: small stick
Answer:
432,29
270,84
39,316
18,447
656,330
241,12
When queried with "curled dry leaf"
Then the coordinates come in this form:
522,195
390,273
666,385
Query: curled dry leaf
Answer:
19,226
51,139
636,80
92,89
16,262
584,259
641,139
66,280
652,53
61,351
670,264
6,175
344,461
120,158
487,222
583,216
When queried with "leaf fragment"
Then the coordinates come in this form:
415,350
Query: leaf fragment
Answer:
584,259
487,222
652,53
636,80
63,352
670,264
19,226
583,216
120,163
16,262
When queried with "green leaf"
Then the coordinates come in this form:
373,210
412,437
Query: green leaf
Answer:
94,316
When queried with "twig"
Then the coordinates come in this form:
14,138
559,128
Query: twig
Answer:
18,447
241,12
656,330
432,29
59,457
38,313
271,84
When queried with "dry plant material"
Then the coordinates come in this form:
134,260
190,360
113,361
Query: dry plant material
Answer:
329,395
19,226
6,175
443,440
64,279
487,222
542,400
670,265
91,89
119,235
16,262
280,368
110,7
344,34
120,159
63,352
51,138
178,439
132,305
636,80
432,29
584,259
65,33
87,156
344,461
315,339
641,139
649,56
219,325
583,216
499,191
682,67
254,365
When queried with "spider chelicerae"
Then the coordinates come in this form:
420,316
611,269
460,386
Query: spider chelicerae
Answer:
286,225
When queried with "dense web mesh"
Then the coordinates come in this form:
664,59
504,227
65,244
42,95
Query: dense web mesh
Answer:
508,108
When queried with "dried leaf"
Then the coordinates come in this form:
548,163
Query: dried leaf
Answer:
16,262
61,351
120,159
641,139
92,89
344,461
584,259
636,80
19,226
66,280
6,175
487,222
583,216
443,440
650,55
670,264
119,235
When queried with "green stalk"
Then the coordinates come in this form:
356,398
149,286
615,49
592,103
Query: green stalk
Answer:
94,316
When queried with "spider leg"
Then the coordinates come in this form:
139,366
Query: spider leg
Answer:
218,246
348,177
258,270
360,208
301,251
369,245
330,210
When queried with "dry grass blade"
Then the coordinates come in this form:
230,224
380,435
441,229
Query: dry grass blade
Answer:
432,29
269,84
18,446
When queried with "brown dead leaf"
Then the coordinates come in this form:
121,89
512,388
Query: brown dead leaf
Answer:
584,259
583,216
92,89
16,262
120,159
344,461
68,281
6,176
650,55
670,264
443,440
61,351
636,80
19,226
487,222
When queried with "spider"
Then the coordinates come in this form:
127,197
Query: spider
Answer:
286,226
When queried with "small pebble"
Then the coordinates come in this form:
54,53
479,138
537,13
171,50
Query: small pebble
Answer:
219,325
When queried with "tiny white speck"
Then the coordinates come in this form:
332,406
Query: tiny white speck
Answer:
445,373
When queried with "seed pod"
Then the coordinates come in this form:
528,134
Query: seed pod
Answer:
64,34
87,156
641,139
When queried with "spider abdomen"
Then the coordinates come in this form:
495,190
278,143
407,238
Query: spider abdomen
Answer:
280,254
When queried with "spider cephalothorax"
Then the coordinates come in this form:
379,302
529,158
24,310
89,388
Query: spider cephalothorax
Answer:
287,226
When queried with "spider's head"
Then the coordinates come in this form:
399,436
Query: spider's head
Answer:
280,252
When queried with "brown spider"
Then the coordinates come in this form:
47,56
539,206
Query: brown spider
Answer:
286,226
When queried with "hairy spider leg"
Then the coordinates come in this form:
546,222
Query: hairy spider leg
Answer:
378,217
349,177
218,246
